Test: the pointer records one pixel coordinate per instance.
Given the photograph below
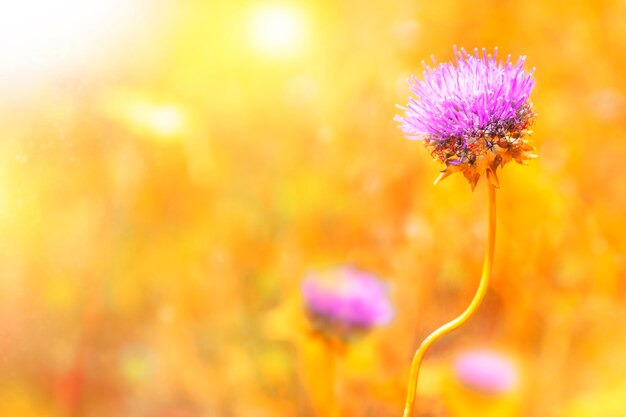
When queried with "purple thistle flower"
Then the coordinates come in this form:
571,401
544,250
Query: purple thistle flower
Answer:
344,299
473,114
487,372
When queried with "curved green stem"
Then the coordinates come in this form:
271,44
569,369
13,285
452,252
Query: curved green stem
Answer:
459,321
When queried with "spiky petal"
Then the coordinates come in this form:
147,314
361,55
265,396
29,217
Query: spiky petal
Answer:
473,114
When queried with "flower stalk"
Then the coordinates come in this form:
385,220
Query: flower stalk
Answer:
469,312
331,366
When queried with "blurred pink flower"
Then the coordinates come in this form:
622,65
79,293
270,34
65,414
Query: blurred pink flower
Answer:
346,298
486,371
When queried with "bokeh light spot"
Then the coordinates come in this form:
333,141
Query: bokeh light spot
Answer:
165,120
150,118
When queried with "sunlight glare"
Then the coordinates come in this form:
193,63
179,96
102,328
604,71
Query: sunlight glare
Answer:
276,29
43,35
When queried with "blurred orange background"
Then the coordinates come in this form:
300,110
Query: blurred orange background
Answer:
170,170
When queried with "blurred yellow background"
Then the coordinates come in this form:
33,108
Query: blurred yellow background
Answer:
170,170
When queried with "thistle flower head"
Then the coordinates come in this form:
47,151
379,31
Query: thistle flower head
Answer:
473,114
486,372
344,299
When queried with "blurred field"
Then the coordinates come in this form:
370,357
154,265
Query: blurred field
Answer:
170,170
